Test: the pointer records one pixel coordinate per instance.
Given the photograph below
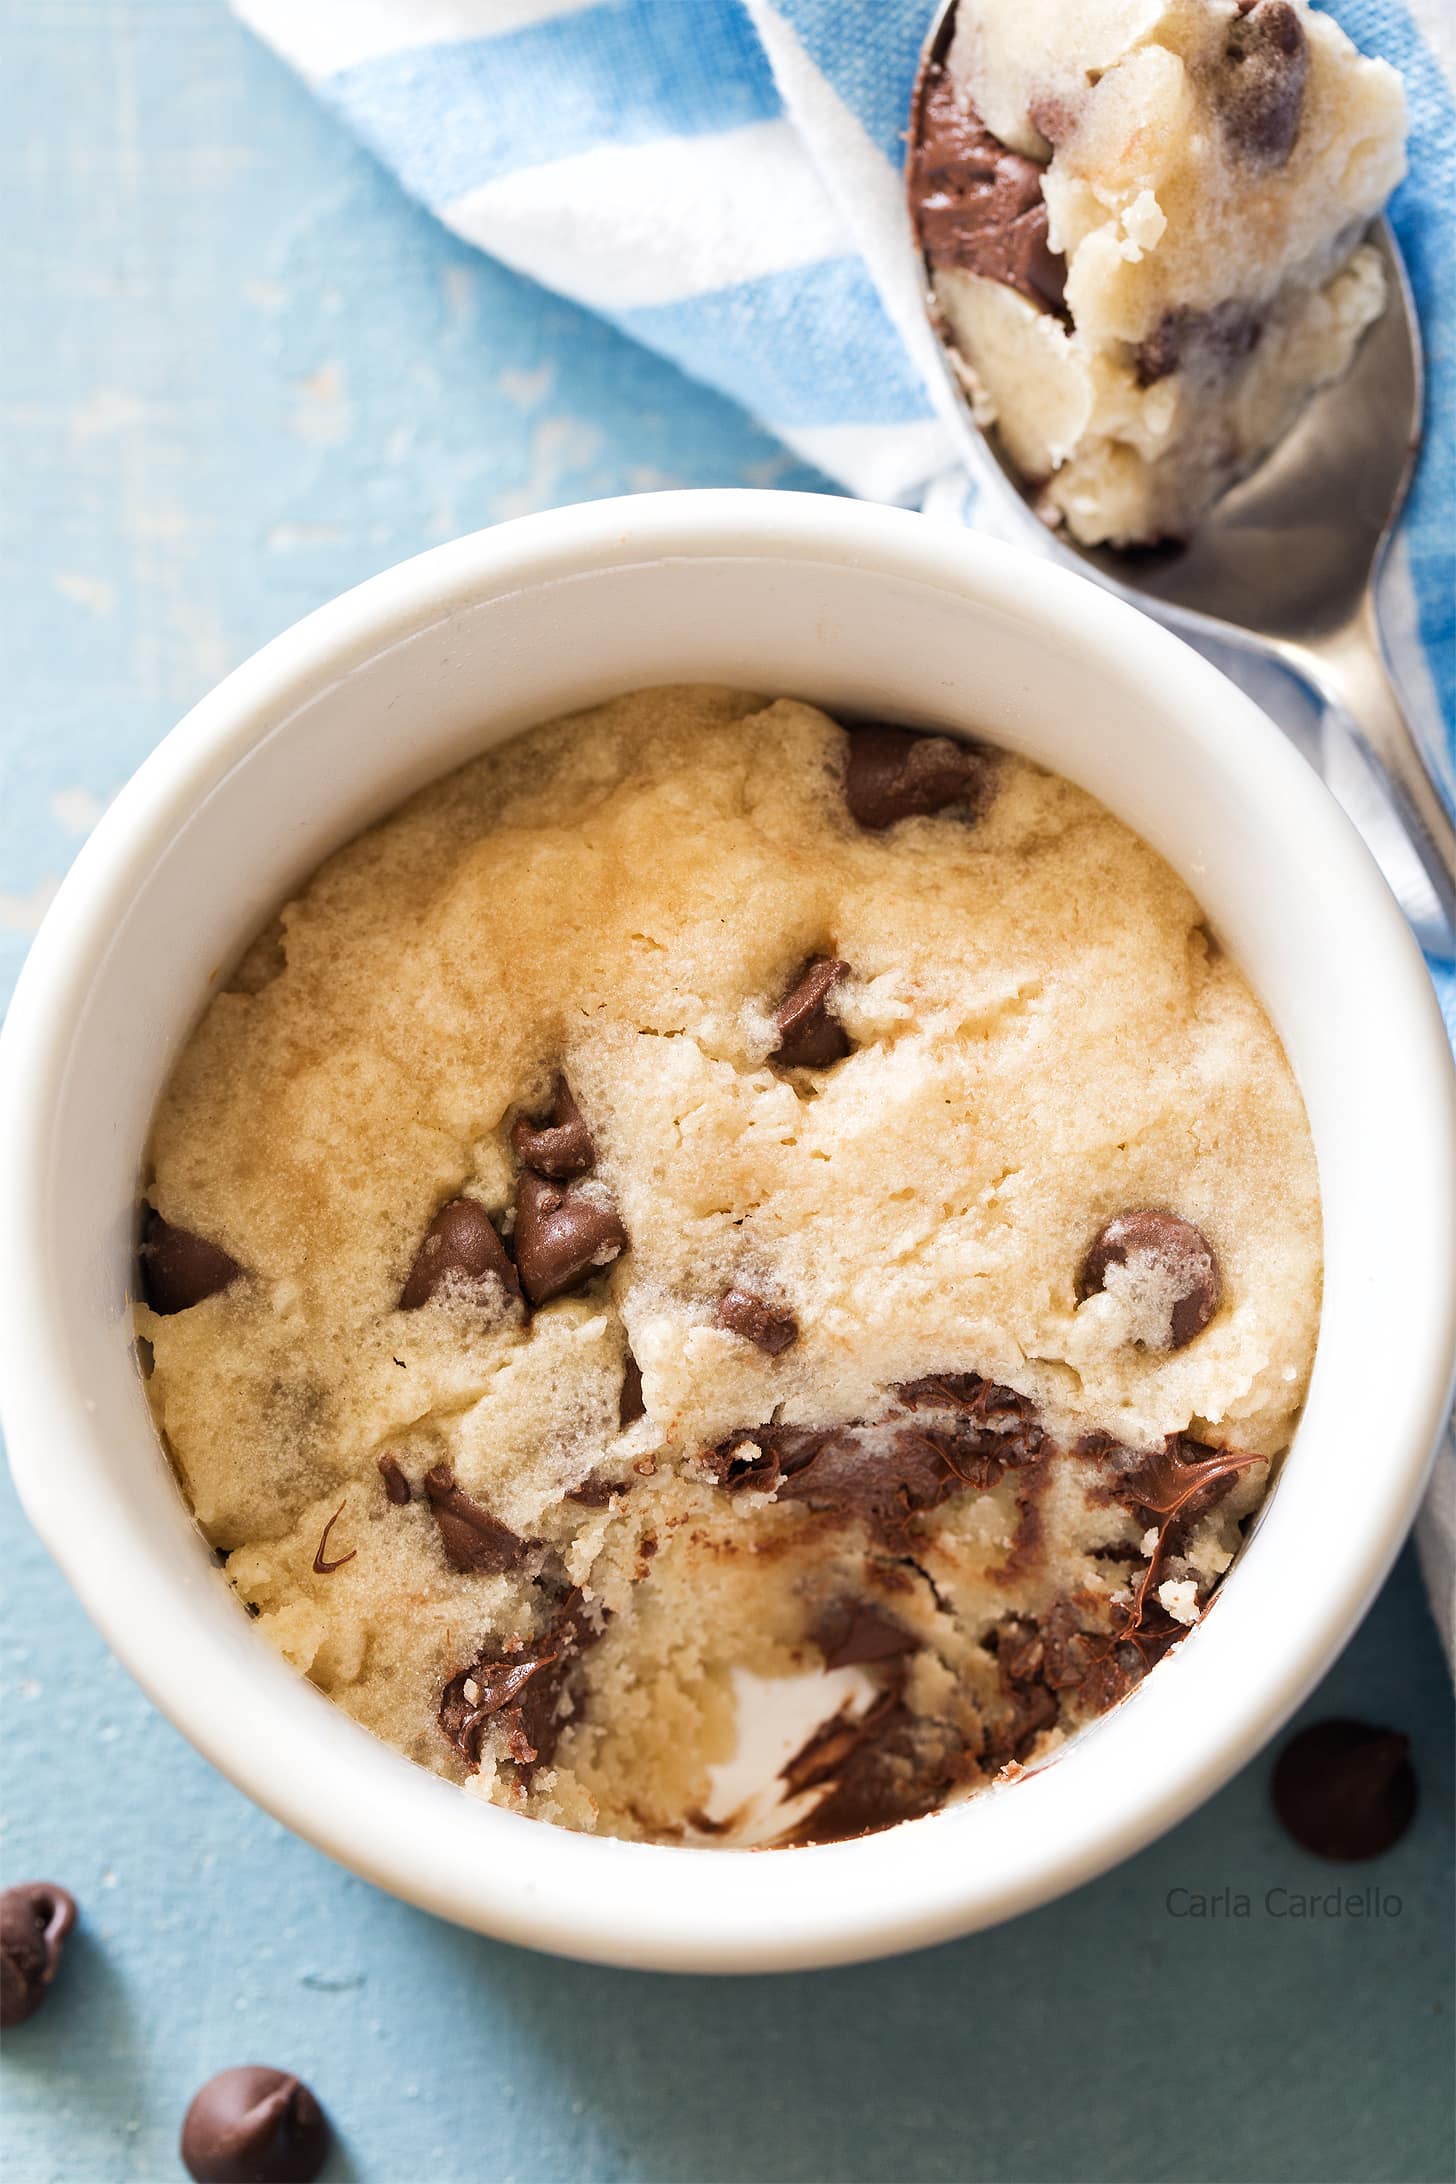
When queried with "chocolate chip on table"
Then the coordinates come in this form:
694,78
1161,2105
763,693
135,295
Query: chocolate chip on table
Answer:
978,205
35,1918
563,1236
809,1037
768,1327
1261,81
253,2125
1170,1255
461,1248
179,1269
630,1403
1345,1790
475,1542
854,1633
900,773
559,1147
396,1485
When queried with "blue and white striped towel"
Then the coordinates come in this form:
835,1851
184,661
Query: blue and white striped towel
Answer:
721,179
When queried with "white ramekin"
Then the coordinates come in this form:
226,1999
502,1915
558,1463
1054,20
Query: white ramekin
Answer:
867,611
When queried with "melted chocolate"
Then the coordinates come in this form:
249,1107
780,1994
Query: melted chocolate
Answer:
179,1269
900,773
529,1694
809,1036
475,1542
890,1765
955,1434
560,1146
1162,1248
976,204
461,1250
564,1236
771,1328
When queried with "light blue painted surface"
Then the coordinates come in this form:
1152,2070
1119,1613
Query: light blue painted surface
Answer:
246,376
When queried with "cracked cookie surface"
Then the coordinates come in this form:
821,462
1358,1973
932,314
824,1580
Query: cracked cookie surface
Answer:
697,1183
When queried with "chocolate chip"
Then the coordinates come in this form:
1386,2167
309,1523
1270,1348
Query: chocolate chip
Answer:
1047,1661
1181,1480
1210,342
1053,118
966,1435
768,1327
322,1567
852,1633
474,1541
1261,81
898,773
1170,1488
471,1698
461,1250
179,1269
993,1429
761,1457
1161,352
877,1477
809,1037
1173,1276
1032,1708
563,1236
1345,1790
1138,1644
396,1485
562,1146
889,1766
976,204
596,1493
252,2125
35,1918
630,1403
531,1697
824,1752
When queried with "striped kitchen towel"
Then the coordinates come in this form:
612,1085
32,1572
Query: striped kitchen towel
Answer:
722,180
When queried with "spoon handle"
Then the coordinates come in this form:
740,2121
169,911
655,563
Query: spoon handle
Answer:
1347,665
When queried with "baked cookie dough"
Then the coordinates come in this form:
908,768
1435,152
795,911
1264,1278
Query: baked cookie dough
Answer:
1144,222
703,1198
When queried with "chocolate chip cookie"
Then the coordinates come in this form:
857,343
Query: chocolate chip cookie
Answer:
710,1191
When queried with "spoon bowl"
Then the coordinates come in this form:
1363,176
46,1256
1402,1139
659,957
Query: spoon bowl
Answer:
1285,563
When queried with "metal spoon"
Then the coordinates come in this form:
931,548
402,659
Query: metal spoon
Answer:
1285,564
